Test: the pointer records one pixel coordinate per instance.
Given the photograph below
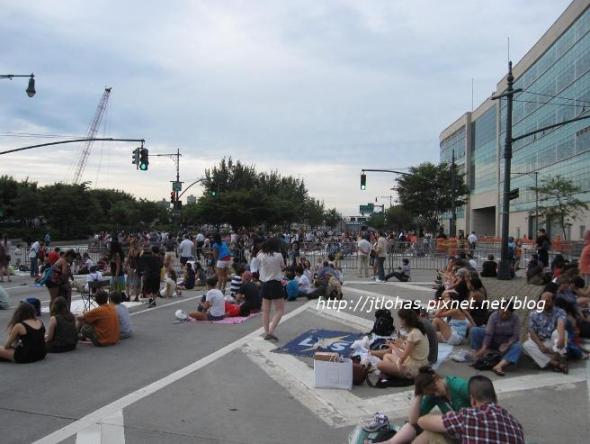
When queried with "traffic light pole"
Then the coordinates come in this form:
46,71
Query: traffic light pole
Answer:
92,139
176,158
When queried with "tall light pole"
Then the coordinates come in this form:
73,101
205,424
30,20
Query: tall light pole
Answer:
505,266
30,88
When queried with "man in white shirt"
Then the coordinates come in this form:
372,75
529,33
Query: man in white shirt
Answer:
33,256
212,306
472,239
186,250
364,250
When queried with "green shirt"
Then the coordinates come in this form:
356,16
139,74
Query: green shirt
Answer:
458,391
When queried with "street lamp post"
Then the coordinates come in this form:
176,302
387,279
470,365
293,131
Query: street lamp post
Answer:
505,266
30,88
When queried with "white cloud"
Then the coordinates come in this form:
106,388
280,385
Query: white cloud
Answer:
316,88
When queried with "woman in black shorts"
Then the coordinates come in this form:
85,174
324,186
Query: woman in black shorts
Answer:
271,269
26,341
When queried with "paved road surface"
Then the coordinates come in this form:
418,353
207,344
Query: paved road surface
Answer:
210,383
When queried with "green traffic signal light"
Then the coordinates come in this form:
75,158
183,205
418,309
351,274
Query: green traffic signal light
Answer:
144,159
363,181
213,193
143,166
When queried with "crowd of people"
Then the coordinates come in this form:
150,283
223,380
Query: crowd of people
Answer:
248,272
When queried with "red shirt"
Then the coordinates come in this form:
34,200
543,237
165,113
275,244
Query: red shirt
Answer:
52,257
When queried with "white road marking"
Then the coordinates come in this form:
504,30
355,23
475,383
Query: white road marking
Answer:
110,430
341,408
108,410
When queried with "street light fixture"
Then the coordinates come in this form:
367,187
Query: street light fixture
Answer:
30,88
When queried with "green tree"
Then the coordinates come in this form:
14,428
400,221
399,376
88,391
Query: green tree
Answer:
426,192
313,211
332,217
558,201
398,218
377,221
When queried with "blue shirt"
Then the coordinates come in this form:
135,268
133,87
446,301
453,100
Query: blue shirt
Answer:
124,321
543,323
222,250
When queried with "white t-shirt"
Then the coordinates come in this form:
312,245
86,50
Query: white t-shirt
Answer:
186,248
472,238
254,265
364,247
217,301
271,266
303,283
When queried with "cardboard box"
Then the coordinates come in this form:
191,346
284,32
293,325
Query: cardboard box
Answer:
334,375
326,356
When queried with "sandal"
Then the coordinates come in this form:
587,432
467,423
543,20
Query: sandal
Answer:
498,372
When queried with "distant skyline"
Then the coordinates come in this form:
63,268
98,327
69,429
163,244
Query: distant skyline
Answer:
317,89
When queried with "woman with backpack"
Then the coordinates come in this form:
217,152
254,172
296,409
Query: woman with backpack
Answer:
448,393
404,358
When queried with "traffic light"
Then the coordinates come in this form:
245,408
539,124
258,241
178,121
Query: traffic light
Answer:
144,160
213,193
135,157
514,194
172,197
363,181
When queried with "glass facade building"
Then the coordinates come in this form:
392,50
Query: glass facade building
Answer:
555,81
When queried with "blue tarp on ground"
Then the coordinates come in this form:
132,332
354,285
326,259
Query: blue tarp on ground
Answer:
306,344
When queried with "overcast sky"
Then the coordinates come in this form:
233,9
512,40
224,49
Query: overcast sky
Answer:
318,89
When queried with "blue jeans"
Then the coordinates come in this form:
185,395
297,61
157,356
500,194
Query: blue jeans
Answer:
513,353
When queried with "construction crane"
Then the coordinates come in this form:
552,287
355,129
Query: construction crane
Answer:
94,125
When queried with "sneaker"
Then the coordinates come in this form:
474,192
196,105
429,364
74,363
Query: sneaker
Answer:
151,303
376,422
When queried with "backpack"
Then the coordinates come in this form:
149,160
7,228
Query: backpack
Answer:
383,325
488,361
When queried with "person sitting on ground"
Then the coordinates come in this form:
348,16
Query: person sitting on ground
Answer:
170,288
574,350
125,327
86,264
62,334
292,286
489,268
404,358
430,334
101,324
303,283
477,312
566,292
453,330
484,422
249,295
547,342
583,292
190,276
4,299
26,340
502,334
212,307
448,393
535,272
402,274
